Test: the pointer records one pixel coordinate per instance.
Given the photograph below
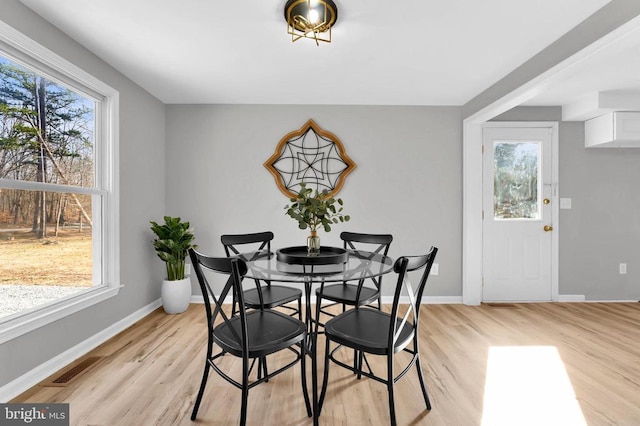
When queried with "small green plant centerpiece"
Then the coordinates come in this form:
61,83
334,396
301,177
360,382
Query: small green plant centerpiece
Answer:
174,239
314,210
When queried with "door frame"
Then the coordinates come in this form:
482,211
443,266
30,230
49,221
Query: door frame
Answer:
472,269
504,95
554,180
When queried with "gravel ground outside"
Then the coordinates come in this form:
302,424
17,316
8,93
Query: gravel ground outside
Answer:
16,298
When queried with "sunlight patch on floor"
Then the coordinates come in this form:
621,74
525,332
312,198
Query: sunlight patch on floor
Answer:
528,385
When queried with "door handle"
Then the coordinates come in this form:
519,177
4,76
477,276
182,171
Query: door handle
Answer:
548,228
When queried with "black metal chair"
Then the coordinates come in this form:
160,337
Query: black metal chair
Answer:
264,295
250,335
376,332
355,294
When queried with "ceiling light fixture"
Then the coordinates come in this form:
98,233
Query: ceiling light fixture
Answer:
310,19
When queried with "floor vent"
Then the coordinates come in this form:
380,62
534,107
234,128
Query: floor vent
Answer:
66,377
502,305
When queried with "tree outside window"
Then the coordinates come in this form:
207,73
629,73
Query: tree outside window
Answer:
48,190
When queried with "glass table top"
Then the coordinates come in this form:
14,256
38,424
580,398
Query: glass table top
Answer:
359,265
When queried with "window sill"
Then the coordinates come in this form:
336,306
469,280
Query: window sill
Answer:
15,326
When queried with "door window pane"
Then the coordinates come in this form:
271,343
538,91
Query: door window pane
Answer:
516,180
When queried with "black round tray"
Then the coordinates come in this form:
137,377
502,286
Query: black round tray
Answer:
298,256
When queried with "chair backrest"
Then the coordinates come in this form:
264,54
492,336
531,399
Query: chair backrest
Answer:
233,267
377,243
258,241
255,242
405,266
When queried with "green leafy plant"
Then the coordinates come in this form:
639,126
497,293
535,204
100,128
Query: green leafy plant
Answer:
313,210
175,238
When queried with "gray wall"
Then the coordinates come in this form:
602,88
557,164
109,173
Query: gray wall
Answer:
602,229
142,189
408,180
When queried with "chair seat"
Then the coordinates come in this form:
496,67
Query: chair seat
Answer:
272,296
346,294
366,330
268,332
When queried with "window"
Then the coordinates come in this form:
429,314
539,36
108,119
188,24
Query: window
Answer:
58,187
517,170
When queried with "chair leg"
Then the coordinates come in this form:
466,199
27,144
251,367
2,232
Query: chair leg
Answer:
315,322
245,391
392,407
325,377
262,368
355,361
360,358
203,384
422,385
303,372
300,308
233,305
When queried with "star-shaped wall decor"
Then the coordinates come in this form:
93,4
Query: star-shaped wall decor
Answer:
310,155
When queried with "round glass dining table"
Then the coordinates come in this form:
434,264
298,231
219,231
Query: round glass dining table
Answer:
354,265
359,264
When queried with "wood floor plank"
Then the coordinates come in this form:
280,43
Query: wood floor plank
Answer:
149,374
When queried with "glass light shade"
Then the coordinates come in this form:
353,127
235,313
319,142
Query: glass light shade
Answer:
310,19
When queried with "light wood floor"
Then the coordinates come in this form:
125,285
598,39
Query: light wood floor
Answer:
530,364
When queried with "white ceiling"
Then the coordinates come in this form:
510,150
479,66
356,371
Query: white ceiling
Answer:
609,75
414,52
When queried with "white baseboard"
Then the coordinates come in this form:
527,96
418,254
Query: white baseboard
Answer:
442,300
454,300
571,298
427,300
35,376
580,298
433,300
200,300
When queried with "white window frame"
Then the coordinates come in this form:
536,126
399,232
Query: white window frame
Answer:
24,51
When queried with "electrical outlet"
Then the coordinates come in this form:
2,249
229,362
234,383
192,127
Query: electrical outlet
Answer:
623,268
187,269
435,269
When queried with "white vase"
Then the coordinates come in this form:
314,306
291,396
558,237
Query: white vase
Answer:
176,295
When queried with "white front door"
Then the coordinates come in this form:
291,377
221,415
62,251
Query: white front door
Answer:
518,192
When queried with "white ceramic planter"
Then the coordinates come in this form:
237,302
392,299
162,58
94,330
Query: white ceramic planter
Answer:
176,295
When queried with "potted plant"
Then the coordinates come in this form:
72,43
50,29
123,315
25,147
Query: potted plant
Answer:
313,210
174,239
